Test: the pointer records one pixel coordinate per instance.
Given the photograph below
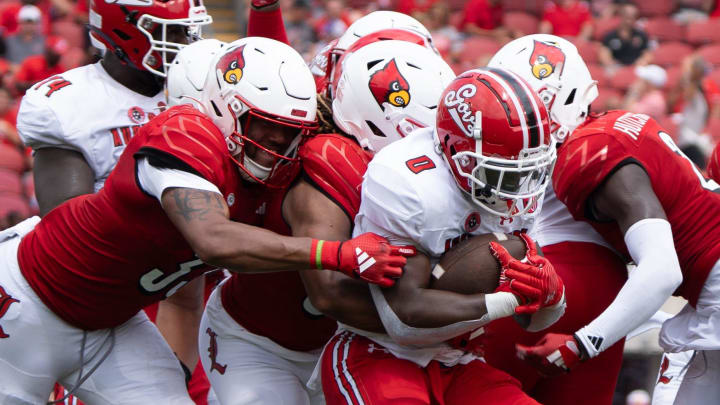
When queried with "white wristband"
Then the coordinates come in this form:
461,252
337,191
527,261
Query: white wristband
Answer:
500,304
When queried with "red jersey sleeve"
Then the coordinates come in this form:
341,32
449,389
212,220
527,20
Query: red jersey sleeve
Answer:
592,153
335,165
191,138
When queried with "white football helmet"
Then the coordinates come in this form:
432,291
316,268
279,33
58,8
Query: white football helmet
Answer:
260,78
380,20
188,72
387,89
556,71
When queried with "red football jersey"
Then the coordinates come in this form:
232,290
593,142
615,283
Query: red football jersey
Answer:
276,305
97,259
605,143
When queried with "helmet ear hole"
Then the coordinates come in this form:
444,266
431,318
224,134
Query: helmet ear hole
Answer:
571,97
216,109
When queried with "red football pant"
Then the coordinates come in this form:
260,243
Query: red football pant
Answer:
593,275
357,371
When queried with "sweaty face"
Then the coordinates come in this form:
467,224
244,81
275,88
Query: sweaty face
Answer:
273,136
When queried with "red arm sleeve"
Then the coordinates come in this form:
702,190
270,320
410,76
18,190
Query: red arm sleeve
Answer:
268,24
335,165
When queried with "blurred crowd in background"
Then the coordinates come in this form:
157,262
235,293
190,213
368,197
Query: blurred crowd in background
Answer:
658,57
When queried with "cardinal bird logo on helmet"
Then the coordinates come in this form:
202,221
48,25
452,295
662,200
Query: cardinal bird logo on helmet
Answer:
232,64
387,85
546,59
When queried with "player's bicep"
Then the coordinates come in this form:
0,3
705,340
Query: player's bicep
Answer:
311,213
195,213
60,174
626,197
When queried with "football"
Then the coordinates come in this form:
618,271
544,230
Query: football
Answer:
470,267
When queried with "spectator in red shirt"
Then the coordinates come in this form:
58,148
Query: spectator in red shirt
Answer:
9,20
567,18
484,17
39,67
411,7
8,119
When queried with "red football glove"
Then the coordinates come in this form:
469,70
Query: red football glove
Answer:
369,257
553,354
264,4
533,278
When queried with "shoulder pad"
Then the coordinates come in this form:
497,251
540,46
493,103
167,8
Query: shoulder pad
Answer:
335,165
190,136
589,155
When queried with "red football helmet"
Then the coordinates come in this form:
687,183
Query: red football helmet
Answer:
137,30
494,132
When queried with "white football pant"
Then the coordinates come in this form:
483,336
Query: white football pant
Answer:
248,369
41,349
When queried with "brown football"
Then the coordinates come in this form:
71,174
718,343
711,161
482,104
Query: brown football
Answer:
470,268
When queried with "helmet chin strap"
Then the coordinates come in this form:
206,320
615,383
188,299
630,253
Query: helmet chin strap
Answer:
259,171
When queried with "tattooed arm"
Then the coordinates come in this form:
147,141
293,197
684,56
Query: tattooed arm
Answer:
203,219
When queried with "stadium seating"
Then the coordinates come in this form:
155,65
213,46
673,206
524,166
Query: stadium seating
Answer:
655,7
11,158
14,203
711,54
10,182
524,22
588,50
703,32
475,48
603,26
664,29
670,53
622,78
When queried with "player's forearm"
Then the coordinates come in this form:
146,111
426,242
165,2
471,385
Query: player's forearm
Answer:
267,23
647,288
435,308
498,305
248,249
342,298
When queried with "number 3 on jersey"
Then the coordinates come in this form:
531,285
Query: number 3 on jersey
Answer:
156,279
707,184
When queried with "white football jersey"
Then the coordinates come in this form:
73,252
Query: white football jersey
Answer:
410,196
85,110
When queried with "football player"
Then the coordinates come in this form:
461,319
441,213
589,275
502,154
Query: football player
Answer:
582,258
180,198
483,168
78,123
612,173
262,335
